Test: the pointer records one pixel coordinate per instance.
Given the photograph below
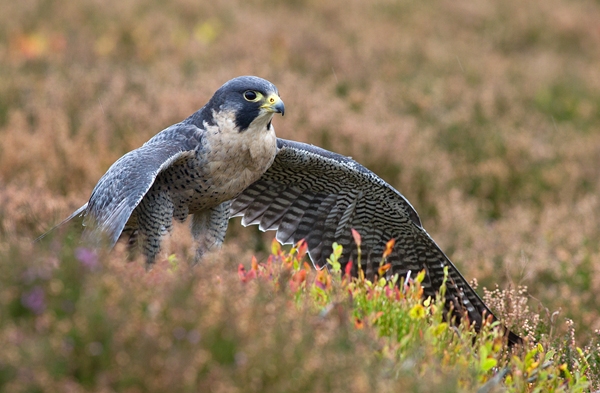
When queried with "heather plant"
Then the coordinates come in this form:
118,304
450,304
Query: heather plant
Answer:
73,320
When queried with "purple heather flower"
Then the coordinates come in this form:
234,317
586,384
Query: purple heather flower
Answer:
34,300
87,257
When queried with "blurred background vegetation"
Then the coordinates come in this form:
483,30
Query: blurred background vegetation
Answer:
485,115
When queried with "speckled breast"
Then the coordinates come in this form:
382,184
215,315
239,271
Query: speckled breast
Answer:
196,184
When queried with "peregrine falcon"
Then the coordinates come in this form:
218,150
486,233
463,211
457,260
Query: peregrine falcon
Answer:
225,161
191,168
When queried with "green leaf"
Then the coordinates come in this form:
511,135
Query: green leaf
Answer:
488,364
333,259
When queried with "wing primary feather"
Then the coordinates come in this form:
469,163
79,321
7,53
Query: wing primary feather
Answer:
314,239
76,213
330,227
347,215
292,217
309,216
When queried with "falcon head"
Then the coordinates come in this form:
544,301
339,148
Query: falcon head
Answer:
253,101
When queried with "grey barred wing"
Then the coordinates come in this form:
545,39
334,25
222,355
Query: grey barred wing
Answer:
127,181
312,194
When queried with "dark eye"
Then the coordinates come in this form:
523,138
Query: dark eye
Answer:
250,95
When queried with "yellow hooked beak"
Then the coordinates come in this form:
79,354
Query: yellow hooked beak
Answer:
273,104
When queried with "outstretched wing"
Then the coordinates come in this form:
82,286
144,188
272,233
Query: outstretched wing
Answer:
313,194
126,182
